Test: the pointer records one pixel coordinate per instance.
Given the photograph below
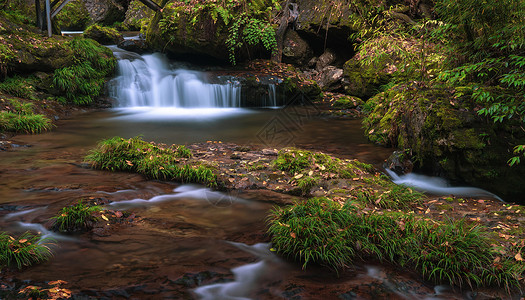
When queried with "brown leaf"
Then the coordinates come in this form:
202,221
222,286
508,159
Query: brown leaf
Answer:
292,234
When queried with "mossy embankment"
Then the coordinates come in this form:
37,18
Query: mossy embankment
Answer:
356,214
44,79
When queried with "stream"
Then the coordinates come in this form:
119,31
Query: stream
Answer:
187,241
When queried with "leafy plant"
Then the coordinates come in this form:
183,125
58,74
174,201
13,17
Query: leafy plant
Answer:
320,231
77,217
19,87
82,82
25,250
152,160
30,123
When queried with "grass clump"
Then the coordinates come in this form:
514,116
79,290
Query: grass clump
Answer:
296,161
19,87
396,197
78,217
22,119
23,251
83,81
454,252
152,160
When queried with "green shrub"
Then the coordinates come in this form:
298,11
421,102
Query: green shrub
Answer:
23,251
323,232
78,217
28,123
151,160
82,82
19,87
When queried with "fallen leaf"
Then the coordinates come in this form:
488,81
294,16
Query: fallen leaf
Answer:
22,241
292,234
518,257
105,218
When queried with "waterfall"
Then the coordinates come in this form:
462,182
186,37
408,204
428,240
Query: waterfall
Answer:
149,81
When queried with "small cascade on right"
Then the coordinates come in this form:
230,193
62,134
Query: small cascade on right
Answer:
437,186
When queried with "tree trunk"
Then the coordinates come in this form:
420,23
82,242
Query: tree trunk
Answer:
289,14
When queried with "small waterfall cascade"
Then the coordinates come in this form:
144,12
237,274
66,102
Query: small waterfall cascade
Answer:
153,81
150,81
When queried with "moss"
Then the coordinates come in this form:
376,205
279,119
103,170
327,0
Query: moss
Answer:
102,34
74,16
347,102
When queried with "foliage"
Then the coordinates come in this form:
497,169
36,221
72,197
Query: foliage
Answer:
22,119
7,55
76,217
324,232
25,250
82,82
491,39
152,160
296,161
396,197
248,23
28,123
19,87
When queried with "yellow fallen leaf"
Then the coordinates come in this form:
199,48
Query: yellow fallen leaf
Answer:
105,218
22,241
299,176
518,257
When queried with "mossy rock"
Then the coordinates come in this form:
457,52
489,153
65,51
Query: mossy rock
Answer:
137,15
74,16
347,102
446,136
361,80
103,35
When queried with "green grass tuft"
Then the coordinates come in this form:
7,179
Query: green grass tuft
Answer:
151,160
19,87
23,251
454,252
78,217
29,123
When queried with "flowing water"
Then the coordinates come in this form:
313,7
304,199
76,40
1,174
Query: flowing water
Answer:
185,240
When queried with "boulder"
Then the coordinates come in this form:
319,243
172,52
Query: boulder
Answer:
136,14
329,78
326,59
446,136
138,46
295,49
107,12
103,35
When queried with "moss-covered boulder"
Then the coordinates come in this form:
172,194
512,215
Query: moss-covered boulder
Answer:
347,102
362,80
103,35
22,49
74,16
440,127
137,16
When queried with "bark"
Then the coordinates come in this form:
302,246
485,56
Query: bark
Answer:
290,13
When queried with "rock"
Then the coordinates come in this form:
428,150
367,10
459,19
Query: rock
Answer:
347,102
74,16
295,49
326,59
362,81
136,14
329,79
138,46
103,35
448,137
107,12
399,162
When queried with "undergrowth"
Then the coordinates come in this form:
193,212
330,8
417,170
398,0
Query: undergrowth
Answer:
321,231
22,119
296,161
82,82
152,160
78,217
22,251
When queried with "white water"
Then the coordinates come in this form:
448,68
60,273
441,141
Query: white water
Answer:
437,186
246,277
183,192
150,81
